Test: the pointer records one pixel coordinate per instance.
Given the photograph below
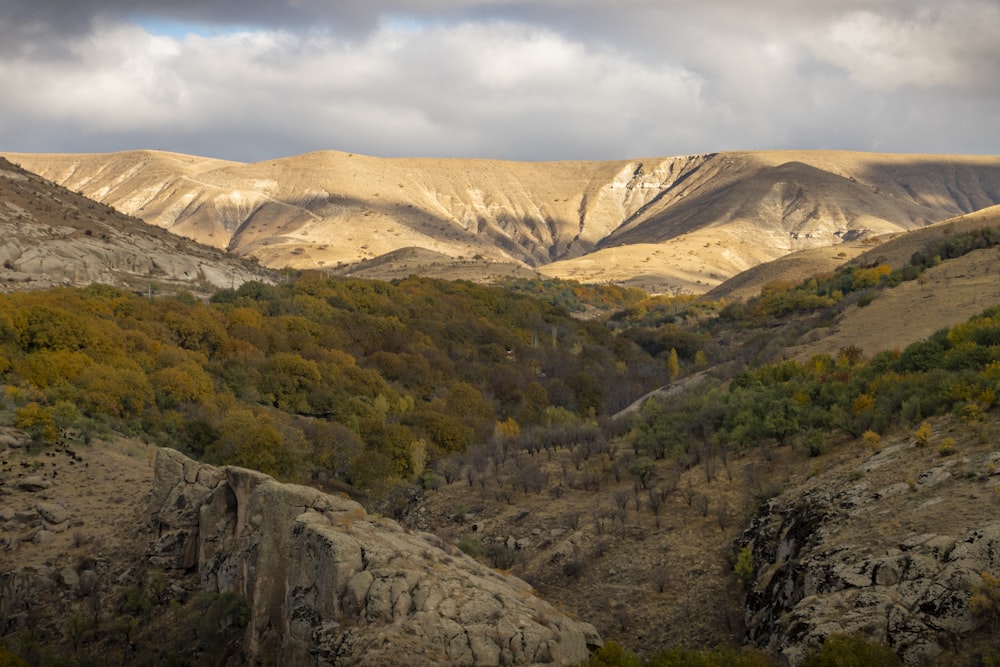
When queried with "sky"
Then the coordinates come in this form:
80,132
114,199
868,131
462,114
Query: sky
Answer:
252,80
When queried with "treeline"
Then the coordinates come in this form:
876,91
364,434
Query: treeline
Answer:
804,403
358,381
574,296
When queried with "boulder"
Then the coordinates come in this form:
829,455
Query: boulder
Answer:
328,583
52,512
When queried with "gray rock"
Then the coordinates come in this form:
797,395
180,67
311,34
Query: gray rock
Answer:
52,512
914,598
329,583
69,578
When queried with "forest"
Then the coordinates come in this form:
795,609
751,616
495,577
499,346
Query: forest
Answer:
366,385
320,379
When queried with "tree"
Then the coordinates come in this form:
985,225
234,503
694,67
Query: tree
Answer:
673,364
126,625
251,439
75,627
37,421
744,569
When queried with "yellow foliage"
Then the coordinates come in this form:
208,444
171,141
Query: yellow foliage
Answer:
863,403
872,440
37,420
673,364
923,434
507,429
870,277
985,601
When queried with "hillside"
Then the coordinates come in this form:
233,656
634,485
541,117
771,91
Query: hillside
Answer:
827,423
663,224
53,237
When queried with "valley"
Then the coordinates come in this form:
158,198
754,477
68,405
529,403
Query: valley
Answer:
443,422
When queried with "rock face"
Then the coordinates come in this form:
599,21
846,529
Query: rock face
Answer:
55,237
822,569
330,584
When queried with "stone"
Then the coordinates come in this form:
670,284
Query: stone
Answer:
52,512
915,598
69,578
324,578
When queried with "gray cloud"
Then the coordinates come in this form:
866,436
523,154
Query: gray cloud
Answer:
555,79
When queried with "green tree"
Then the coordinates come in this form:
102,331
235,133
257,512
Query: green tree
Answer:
744,569
75,627
251,439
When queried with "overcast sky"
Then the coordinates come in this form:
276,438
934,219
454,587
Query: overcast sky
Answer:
525,80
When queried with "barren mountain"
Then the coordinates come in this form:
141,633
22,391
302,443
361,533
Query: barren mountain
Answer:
664,224
52,236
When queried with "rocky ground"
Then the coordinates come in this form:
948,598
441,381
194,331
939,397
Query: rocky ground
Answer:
887,541
72,531
652,581
891,545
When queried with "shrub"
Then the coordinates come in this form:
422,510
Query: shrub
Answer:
851,651
743,569
470,546
613,654
872,440
985,600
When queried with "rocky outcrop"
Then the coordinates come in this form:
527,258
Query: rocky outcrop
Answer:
330,584
826,562
54,237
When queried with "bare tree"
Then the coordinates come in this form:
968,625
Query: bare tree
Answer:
655,500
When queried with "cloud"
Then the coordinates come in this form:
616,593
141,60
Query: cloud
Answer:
551,79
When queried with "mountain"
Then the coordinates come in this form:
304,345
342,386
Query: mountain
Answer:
52,237
665,224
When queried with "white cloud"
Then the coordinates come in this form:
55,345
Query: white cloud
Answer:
927,49
542,80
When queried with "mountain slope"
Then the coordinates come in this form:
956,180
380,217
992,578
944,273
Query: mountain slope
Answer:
665,224
52,236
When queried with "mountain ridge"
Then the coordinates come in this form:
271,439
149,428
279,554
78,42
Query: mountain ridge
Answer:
667,224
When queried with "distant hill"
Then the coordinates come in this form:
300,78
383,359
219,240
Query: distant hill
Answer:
664,224
52,237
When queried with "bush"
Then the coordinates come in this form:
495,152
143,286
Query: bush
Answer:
851,651
470,546
743,569
985,600
613,654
